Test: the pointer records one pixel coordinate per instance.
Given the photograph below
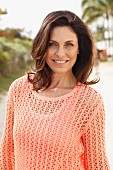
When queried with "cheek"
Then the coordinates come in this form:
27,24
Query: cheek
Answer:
48,57
73,55
74,60
51,51
49,54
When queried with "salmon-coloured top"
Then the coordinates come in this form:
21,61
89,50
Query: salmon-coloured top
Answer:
53,133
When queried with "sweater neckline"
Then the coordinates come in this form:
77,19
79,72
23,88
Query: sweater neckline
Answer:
73,91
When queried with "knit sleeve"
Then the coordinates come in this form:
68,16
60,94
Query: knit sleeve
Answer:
94,141
7,145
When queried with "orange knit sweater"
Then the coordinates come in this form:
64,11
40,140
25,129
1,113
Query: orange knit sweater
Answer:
60,133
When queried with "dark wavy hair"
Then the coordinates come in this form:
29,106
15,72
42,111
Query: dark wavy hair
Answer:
83,66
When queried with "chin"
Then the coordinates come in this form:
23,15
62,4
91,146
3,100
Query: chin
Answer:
61,71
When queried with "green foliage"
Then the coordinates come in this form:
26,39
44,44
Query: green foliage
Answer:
6,81
93,9
4,63
99,33
15,58
14,54
12,33
99,10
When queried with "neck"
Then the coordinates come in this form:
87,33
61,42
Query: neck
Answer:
66,80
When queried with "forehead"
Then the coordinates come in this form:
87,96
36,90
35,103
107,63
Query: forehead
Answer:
63,32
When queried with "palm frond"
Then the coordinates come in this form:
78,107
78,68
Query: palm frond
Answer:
92,18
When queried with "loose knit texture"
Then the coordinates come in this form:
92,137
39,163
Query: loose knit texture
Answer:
60,133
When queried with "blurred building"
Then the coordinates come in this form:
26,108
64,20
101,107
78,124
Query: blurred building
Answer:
105,49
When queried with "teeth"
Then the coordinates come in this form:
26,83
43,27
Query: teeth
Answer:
57,61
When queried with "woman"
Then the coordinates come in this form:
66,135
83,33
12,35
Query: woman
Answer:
54,119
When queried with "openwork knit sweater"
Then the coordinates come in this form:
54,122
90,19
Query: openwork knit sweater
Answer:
53,133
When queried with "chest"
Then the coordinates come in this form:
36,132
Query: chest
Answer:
59,119
55,92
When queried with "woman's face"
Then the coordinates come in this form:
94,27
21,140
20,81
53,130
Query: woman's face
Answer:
62,50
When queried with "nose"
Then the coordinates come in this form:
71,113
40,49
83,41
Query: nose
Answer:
60,52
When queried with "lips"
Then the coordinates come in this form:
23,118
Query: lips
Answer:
60,61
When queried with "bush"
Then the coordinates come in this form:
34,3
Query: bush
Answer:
4,66
14,54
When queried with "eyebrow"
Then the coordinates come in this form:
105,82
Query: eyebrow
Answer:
66,41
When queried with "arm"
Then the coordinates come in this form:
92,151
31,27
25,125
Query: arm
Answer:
7,145
94,141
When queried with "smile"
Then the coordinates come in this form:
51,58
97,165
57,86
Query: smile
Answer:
60,61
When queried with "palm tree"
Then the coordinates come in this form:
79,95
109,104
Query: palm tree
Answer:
94,9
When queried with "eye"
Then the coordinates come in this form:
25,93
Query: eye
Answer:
69,44
52,44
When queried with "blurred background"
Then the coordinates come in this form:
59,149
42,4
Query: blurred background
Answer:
19,23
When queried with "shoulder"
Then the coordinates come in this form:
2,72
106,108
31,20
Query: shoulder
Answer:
19,84
92,93
96,101
89,95
19,81
95,94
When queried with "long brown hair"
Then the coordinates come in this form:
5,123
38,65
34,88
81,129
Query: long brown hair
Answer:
84,64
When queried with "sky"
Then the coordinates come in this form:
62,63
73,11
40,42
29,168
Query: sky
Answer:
29,14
